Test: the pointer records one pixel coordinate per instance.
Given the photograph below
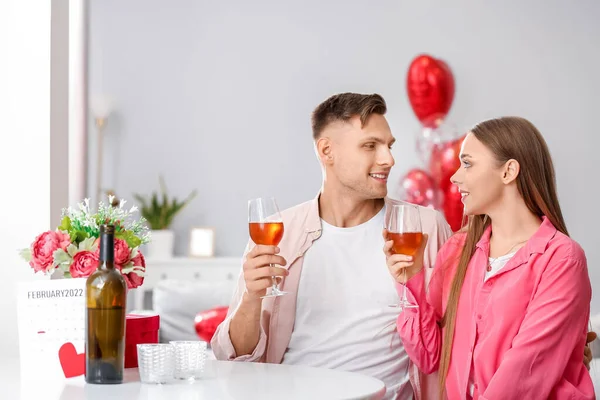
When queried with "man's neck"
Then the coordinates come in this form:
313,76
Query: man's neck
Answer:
344,211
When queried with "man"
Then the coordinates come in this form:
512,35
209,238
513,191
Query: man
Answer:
337,311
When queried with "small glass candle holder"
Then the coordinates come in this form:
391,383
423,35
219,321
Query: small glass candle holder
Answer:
156,362
190,357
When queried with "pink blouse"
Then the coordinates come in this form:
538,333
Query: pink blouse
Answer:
521,334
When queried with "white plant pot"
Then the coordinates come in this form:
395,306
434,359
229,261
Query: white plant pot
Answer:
161,244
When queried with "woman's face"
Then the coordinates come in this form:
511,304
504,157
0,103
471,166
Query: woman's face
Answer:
478,178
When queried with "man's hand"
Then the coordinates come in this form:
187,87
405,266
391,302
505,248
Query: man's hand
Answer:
259,269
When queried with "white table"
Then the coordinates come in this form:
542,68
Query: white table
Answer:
221,380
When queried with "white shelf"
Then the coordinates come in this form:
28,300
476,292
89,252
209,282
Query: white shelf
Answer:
194,261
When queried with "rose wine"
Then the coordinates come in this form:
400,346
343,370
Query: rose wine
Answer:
106,296
406,243
266,233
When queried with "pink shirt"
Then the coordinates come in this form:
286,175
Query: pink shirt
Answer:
525,327
302,227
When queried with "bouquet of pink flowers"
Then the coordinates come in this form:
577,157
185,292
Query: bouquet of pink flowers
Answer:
73,246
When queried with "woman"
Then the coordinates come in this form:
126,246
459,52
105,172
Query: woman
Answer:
506,311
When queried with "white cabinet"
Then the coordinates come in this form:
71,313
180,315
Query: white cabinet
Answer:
216,269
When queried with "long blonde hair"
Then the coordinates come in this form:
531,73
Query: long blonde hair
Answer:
507,138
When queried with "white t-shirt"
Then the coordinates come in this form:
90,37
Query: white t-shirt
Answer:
496,265
343,318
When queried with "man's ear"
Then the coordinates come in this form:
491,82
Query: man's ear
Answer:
325,150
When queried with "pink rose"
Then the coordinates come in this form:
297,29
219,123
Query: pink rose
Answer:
133,280
122,252
44,246
84,263
139,260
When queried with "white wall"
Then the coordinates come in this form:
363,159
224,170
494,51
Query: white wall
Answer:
60,178
78,113
217,95
25,148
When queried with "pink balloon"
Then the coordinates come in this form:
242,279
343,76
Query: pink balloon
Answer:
418,188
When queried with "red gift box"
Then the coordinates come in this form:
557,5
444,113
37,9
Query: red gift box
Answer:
139,329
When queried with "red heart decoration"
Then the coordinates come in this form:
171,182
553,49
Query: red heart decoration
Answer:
430,87
453,207
445,161
206,322
418,188
72,364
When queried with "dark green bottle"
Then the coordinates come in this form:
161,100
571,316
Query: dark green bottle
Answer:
106,296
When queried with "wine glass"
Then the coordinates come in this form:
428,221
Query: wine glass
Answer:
403,224
266,228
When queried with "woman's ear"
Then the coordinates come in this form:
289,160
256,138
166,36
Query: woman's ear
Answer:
510,171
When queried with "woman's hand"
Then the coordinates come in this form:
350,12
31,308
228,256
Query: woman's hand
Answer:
398,263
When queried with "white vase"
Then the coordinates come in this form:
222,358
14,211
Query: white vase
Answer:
161,244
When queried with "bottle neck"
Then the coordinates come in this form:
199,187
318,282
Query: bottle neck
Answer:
107,251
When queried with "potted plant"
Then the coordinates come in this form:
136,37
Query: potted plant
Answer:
159,210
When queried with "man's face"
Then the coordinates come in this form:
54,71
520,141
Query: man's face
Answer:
358,158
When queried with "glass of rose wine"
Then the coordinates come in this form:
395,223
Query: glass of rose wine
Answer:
266,228
403,224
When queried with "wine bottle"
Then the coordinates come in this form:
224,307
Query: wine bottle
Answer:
106,296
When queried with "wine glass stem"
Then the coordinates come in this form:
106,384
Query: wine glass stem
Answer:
404,300
275,286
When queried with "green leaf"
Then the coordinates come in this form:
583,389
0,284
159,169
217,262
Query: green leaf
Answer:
72,250
158,209
127,268
67,274
87,244
65,268
77,235
139,272
65,224
61,257
81,235
26,254
130,238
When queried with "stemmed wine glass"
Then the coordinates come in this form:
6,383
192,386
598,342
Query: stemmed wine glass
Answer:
266,228
403,225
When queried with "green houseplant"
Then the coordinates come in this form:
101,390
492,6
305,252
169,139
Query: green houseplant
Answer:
159,210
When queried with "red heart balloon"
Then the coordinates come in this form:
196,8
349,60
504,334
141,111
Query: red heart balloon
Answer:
444,162
206,322
453,207
72,364
430,87
418,188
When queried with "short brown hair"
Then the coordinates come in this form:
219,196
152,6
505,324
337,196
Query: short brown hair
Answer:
343,106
